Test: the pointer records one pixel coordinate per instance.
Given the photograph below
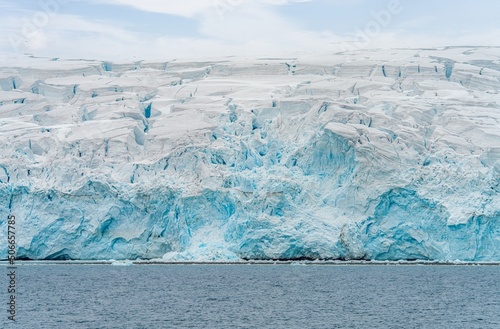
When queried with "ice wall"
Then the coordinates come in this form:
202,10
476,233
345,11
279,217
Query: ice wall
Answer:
382,155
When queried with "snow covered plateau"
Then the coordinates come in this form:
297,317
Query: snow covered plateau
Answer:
369,155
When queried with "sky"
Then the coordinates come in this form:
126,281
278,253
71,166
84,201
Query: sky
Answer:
167,29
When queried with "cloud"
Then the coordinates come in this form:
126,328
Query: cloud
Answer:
244,27
72,36
258,29
61,34
418,22
190,8
185,8
248,28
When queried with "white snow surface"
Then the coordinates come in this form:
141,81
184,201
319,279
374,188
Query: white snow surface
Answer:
381,155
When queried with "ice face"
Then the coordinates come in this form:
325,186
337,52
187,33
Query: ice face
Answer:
383,155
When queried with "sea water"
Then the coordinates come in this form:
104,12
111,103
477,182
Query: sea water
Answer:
255,296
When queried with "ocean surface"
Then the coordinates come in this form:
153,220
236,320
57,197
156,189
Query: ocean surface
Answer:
255,296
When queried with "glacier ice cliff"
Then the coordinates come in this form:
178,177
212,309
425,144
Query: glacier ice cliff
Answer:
381,155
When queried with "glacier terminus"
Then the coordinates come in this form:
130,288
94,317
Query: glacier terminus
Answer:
359,155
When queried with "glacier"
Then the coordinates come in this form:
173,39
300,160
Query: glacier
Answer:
360,155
